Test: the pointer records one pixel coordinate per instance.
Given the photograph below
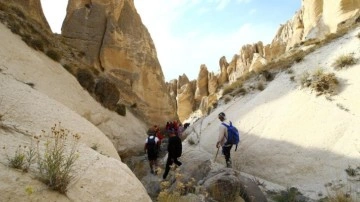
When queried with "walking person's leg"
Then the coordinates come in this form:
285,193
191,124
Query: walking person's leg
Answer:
151,162
177,162
226,152
156,166
167,167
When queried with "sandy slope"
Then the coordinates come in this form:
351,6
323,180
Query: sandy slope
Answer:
50,78
292,137
55,96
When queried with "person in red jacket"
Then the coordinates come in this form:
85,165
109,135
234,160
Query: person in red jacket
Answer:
158,135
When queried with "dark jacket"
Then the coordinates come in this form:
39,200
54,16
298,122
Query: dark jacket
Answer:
174,146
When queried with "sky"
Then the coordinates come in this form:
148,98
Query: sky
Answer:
189,33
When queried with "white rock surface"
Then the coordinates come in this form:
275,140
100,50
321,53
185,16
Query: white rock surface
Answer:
291,137
25,111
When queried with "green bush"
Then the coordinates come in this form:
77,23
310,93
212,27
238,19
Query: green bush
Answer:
18,160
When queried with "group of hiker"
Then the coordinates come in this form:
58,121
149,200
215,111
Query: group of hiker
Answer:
174,147
227,137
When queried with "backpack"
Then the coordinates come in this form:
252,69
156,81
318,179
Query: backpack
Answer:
151,146
233,135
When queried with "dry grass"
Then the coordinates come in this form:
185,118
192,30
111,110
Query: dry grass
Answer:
344,61
239,91
53,55
321,82
287,196
107,93
227,99
57,162
260,86
18,160
37,44
181,191
338,196
235,85
86,79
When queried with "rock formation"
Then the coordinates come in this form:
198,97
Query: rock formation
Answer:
33,10
115,42
29,105
202,83
185,97
223,77
315,19
212,83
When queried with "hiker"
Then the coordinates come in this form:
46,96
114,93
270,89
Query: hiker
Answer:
174,152
223,135
158,135
151,148
180,130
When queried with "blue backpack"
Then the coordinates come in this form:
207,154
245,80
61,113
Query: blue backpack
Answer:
233,135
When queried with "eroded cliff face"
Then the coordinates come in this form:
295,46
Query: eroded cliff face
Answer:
185,97
116,43
34,11
315,20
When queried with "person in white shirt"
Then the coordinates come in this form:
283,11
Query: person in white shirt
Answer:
223,134
151,148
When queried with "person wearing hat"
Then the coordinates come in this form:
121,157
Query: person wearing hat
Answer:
174,151
223,134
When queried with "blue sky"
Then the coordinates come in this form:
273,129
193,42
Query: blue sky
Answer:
188,33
